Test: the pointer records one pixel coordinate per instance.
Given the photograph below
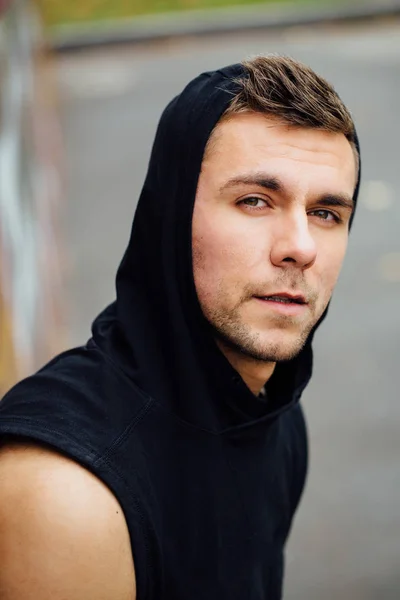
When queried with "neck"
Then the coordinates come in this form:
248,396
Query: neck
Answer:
255,373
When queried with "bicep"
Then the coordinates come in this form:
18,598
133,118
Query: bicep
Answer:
62,532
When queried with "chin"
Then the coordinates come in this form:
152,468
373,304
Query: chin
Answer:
274,352
268,347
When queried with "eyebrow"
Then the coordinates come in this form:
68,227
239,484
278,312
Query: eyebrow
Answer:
274,184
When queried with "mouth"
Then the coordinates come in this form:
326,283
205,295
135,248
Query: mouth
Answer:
284,298
282,303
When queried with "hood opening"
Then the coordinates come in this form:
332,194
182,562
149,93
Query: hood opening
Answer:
155,330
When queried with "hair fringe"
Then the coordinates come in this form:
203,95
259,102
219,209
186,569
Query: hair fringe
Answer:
281,86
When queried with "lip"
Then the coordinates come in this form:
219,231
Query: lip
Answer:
297,307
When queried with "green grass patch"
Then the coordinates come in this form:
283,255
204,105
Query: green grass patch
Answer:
59,12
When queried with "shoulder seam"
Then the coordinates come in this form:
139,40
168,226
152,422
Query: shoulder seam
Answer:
140,415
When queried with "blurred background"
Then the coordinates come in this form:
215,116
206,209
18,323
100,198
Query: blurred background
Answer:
82,85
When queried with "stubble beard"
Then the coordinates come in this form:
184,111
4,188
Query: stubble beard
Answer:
230,328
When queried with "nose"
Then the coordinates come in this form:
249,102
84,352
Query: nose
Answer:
293,243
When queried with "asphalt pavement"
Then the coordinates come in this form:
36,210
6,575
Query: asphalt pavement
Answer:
345,543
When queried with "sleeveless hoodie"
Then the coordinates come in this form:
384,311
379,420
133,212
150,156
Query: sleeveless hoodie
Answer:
208,475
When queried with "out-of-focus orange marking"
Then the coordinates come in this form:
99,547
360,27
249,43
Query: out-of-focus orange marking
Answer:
8,365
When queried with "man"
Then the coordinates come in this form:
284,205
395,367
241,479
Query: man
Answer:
166,458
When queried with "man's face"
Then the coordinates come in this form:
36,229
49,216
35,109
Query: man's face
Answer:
270,230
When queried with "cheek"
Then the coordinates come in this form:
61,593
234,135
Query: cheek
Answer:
215,260
333,256
223,255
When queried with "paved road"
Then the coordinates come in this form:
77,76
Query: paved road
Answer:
346,539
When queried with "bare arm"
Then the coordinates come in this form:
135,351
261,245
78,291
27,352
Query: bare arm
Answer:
63,535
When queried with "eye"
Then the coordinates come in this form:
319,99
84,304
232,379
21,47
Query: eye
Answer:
254,202
326,215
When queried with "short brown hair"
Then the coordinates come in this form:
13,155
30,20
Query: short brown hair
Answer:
283,87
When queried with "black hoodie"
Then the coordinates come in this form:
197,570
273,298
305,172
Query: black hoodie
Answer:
208,475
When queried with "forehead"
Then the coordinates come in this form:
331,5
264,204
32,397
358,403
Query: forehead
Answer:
251,141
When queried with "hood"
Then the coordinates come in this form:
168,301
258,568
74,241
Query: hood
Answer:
155,330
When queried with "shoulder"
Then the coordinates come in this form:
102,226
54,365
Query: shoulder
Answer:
297,452
296,430
62,532
79,402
